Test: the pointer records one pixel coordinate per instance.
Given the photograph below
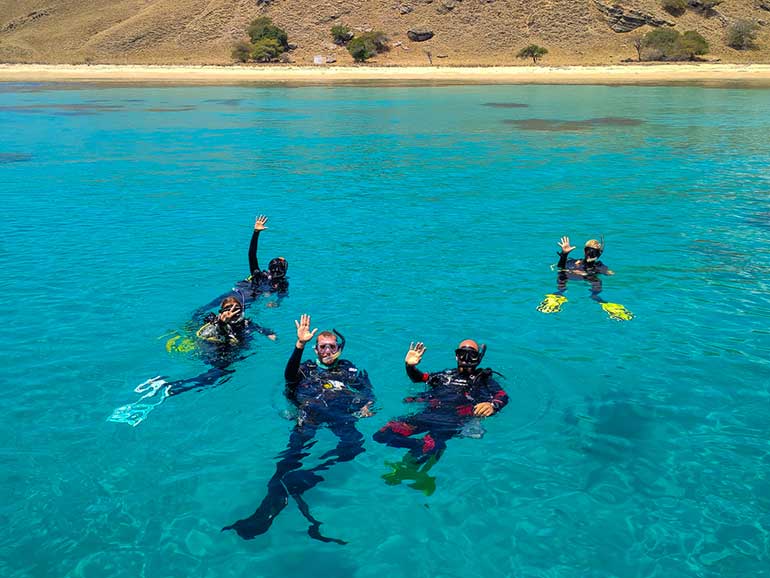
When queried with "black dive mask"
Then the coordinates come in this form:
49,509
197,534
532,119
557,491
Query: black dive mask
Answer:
593,253
469,357
277,268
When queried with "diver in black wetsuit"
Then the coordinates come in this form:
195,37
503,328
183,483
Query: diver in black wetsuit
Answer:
328,392
454,397
587,269
261,282
222,340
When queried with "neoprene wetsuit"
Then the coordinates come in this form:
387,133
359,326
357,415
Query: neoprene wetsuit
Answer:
259,283
583,270
219,345
324,396
449,405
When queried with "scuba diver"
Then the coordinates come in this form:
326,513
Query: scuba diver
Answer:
261,282
455,401
220,342
327,392
588,269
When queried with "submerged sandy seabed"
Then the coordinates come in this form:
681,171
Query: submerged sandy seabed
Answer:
616,74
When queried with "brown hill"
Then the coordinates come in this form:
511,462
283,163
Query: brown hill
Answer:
467,32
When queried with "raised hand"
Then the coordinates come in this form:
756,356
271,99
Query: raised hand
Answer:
303,330
259,225
230,313
564,244
415,353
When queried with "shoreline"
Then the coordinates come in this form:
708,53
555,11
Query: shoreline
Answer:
271,74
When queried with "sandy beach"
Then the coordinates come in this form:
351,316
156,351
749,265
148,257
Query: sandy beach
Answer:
615,74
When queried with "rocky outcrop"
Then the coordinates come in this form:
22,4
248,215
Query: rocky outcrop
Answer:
419,34
625,20
24,20
764,5
446,6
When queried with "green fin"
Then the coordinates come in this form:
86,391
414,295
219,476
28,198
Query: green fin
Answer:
180,344
617,312
409,469
551,303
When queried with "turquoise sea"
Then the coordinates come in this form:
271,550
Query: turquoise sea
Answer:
629,449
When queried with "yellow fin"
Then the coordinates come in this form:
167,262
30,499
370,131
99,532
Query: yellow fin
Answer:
551,303
617,312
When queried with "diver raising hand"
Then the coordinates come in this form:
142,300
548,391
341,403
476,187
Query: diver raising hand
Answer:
564,245
259,224
415,353
303,330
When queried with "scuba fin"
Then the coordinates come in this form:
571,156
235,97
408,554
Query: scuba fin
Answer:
180,344
135,413
551,303
617,312
409,468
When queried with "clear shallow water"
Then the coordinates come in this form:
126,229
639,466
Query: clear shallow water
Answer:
629,449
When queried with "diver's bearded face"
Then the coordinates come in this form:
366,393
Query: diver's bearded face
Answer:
467,358
327,350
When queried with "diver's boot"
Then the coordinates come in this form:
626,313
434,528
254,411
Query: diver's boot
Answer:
552,303
261,520
617,312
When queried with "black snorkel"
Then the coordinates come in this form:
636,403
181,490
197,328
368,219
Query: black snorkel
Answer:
340,340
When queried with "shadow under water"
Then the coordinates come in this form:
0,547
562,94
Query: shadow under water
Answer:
544,124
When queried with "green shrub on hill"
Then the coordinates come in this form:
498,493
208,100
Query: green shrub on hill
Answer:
268,42
369,44
341,34
242,51
263,27
742,34
532,51
667,44
266,50
693,44
674,7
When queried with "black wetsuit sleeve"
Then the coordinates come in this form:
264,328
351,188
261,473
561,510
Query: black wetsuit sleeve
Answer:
256,328
562,260
200,313
415,374
292,373
253,262
496,394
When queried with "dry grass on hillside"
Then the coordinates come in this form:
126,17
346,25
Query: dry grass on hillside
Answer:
483,32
